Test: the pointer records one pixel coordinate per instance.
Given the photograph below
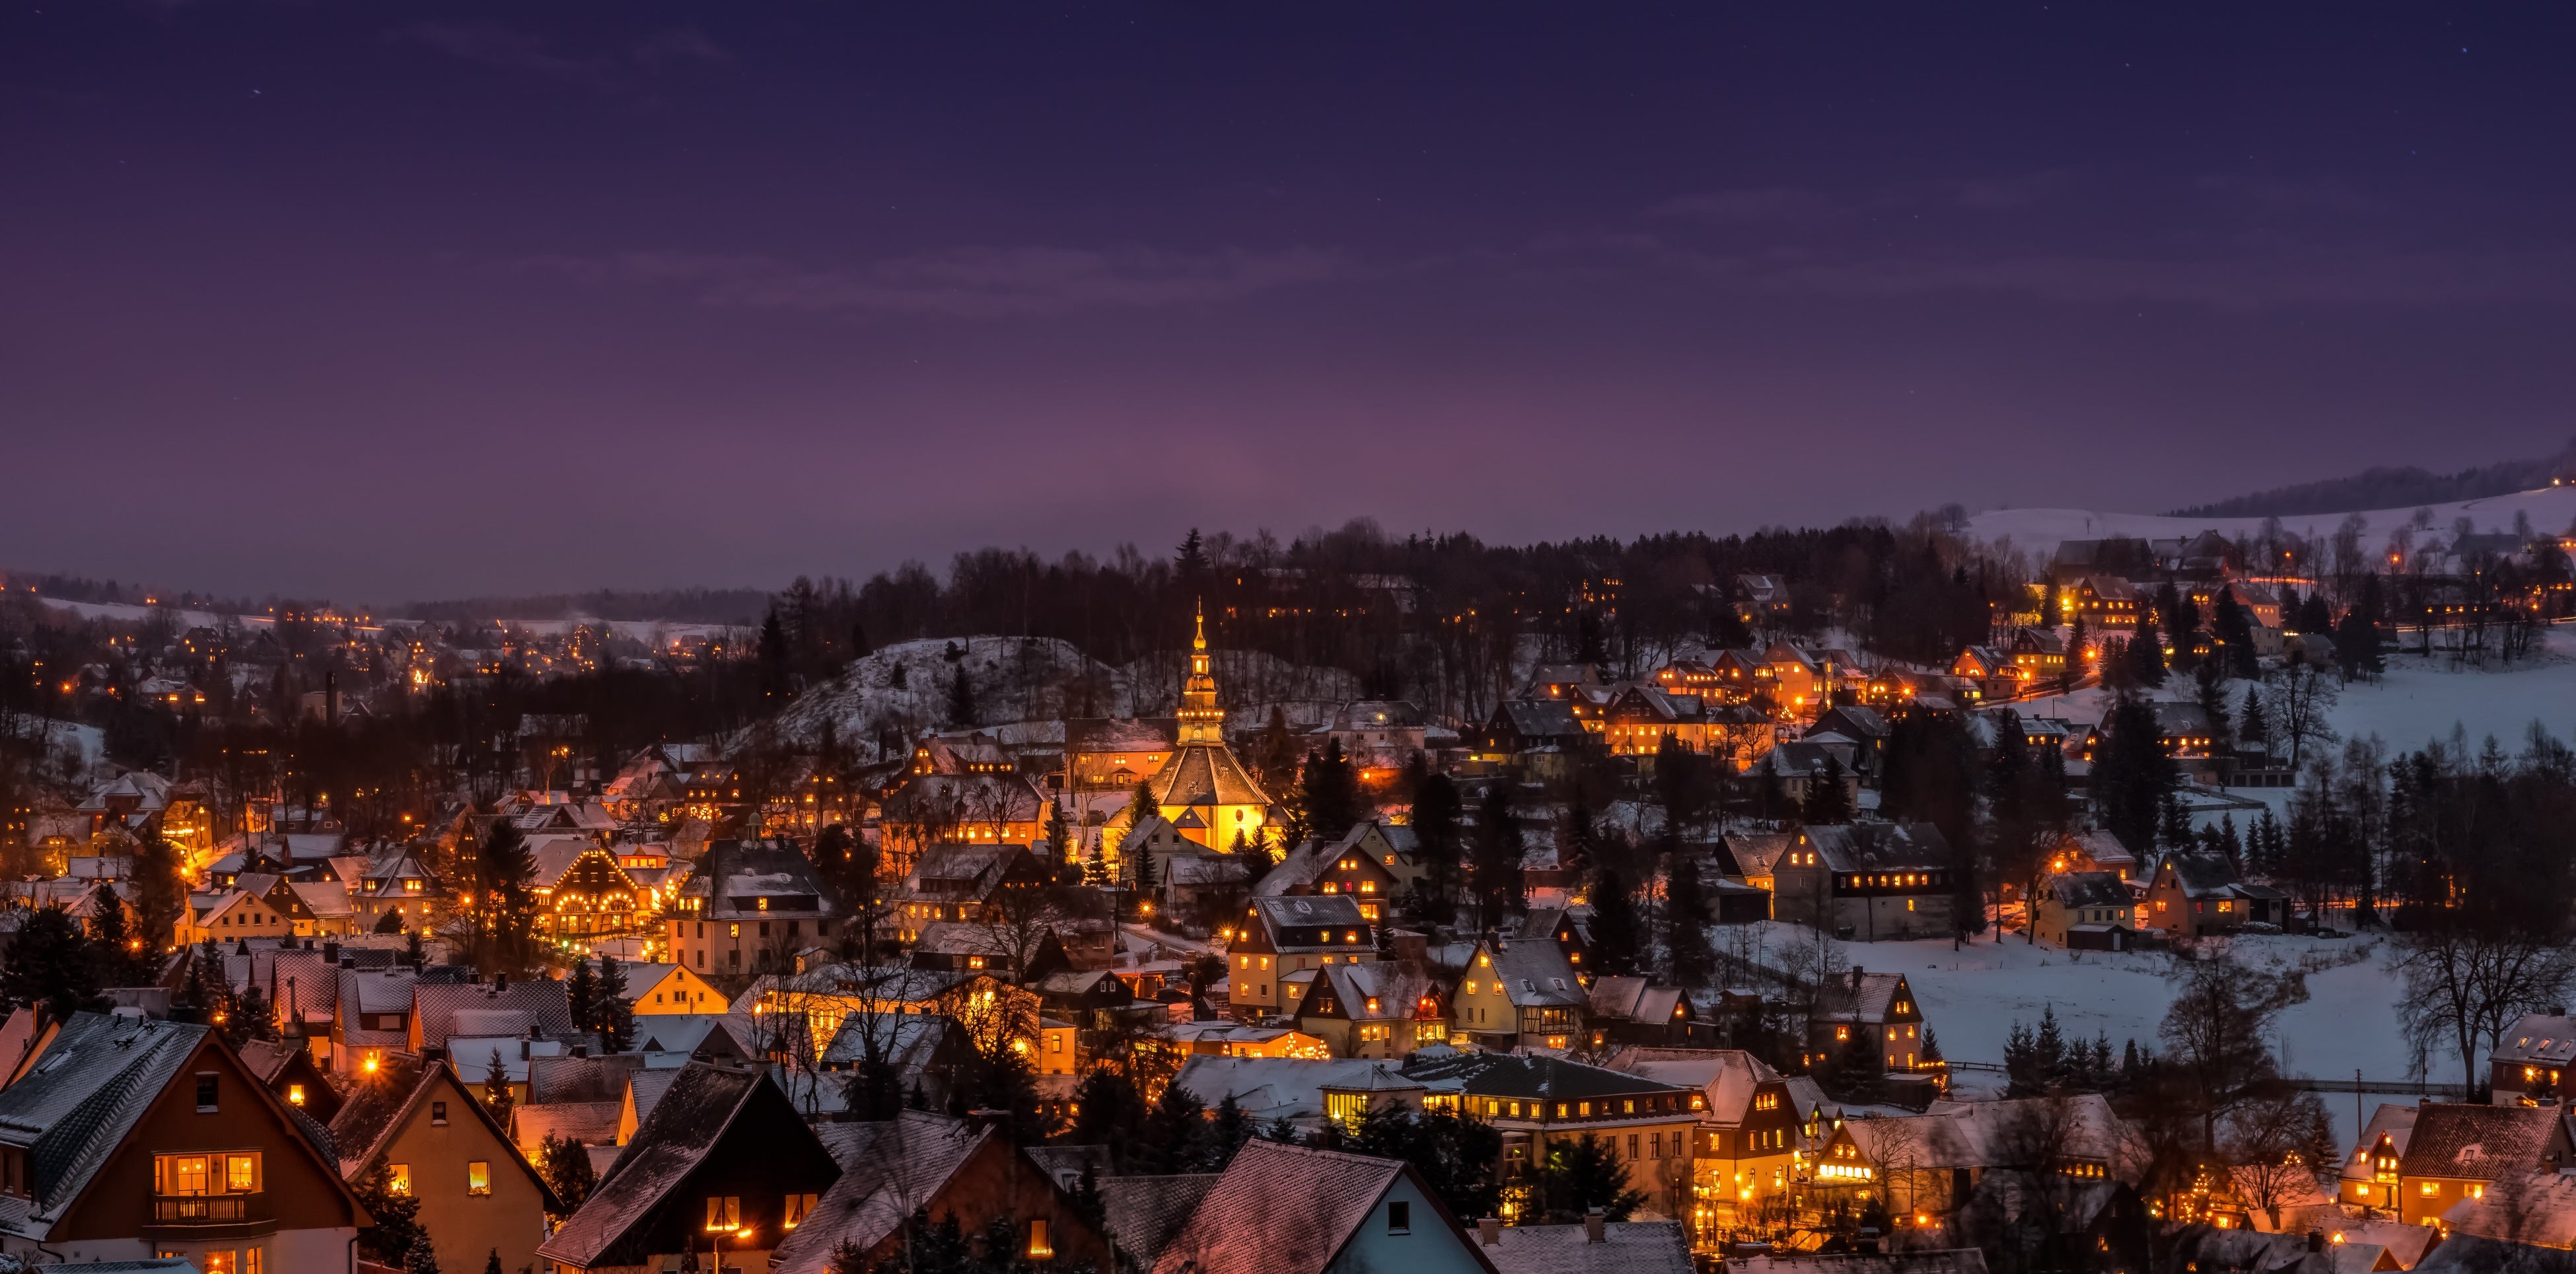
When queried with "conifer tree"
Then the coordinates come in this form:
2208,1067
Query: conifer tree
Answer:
1499,886
1828,802
581,996
1331,790
496,1090
612,1016
1617,934
961,698
1435,829
2251,727
504,901
2146,658
1686,919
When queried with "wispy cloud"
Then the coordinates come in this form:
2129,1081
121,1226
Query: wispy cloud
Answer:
1743,207
2356,276
981,282
507,48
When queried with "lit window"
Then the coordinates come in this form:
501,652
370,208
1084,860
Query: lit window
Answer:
478,1177
398,1178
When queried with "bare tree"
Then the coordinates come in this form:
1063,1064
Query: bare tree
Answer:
2467,983
2302,695
2277,1140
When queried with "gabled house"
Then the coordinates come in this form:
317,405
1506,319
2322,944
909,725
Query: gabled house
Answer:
401,886
2535,1062
2085,911
371,1016
1332,867
2093,851
1743,1152
958,882
751,907
288,1071
584,893
723,1158
1107,752
1283,935
2195,894
1634,1011
1932,1163
1542,737
668,988
1519,994
130,1138
1876,1011
952,1172
1282,1209
2371,1174
1384,1010
1867,881
2457,1150
236,913
435,1142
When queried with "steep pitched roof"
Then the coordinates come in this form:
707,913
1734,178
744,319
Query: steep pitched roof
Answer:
888,1170
689,1121
1727,1075
1142,1214
1204,774
2479,1142
1281,1209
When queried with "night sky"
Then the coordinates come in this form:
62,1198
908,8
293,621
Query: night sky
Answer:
388,303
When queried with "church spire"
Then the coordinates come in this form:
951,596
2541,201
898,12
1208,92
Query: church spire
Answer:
1201,721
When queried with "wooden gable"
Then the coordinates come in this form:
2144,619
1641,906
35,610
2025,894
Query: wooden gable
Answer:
298,1189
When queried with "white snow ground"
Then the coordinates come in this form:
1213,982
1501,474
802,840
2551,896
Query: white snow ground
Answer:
1973,995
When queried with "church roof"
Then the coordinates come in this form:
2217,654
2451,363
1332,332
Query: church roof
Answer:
1204,774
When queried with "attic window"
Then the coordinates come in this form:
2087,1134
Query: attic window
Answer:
438,1112
205,1094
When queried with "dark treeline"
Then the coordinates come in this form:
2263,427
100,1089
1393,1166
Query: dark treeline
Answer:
1438,618
740,607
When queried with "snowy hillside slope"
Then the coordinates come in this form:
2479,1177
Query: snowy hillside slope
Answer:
2038,530
1022,683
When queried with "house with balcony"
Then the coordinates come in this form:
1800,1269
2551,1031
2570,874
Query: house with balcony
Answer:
1284,935
128,1138
1876,1011
1522,993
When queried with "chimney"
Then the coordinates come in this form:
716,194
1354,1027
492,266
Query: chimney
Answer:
2316,1240
1855,977
501,981
1592,1222
1489,1231
330,953
432,1054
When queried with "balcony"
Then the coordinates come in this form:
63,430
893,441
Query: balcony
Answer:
209,1216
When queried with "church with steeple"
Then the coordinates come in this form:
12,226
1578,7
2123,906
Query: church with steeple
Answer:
1202,790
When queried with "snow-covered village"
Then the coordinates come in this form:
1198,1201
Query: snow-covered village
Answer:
2193,891
1120,638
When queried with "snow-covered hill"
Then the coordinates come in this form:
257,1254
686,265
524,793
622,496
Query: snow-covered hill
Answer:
2039,529
1020,683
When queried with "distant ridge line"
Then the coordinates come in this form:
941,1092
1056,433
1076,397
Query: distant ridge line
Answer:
2382,487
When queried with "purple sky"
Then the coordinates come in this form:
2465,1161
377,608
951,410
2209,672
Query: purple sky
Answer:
385,304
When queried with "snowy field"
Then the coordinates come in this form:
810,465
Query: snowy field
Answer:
1973,995
2039,530
2417,700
